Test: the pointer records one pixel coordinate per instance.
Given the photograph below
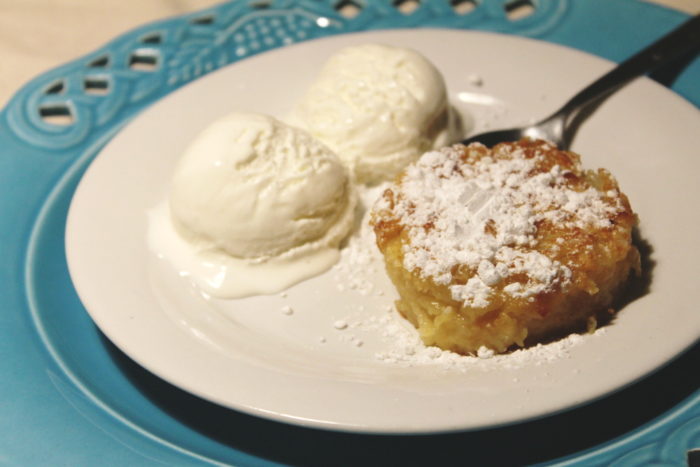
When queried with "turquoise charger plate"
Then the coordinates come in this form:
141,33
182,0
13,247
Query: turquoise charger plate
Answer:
69,397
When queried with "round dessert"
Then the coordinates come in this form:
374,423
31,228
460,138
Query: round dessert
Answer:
379,108
504,247
265,201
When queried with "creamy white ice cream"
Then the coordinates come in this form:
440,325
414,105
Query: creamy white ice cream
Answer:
266,202
379,108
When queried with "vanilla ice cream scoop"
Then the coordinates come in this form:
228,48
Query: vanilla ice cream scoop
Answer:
379,108
263,200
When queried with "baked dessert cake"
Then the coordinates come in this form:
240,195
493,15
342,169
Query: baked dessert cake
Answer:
504,247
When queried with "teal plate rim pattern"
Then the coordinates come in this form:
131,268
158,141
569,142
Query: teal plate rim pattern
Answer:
71,397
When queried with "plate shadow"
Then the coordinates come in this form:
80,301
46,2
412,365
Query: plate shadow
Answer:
529,442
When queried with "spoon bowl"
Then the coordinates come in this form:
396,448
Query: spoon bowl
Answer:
560,127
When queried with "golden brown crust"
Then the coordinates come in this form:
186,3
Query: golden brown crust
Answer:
599,258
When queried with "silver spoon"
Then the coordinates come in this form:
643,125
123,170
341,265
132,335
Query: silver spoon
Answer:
559,128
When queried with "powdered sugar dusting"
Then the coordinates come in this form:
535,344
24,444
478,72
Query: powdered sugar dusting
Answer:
360,259
392,340
408,351
484,215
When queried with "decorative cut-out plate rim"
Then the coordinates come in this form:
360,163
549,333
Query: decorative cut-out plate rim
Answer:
104,131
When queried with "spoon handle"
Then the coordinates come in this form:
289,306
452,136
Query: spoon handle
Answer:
673,45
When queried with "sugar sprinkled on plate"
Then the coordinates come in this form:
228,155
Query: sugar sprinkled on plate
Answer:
400,343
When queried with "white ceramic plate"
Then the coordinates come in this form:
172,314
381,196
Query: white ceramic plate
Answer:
249,355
